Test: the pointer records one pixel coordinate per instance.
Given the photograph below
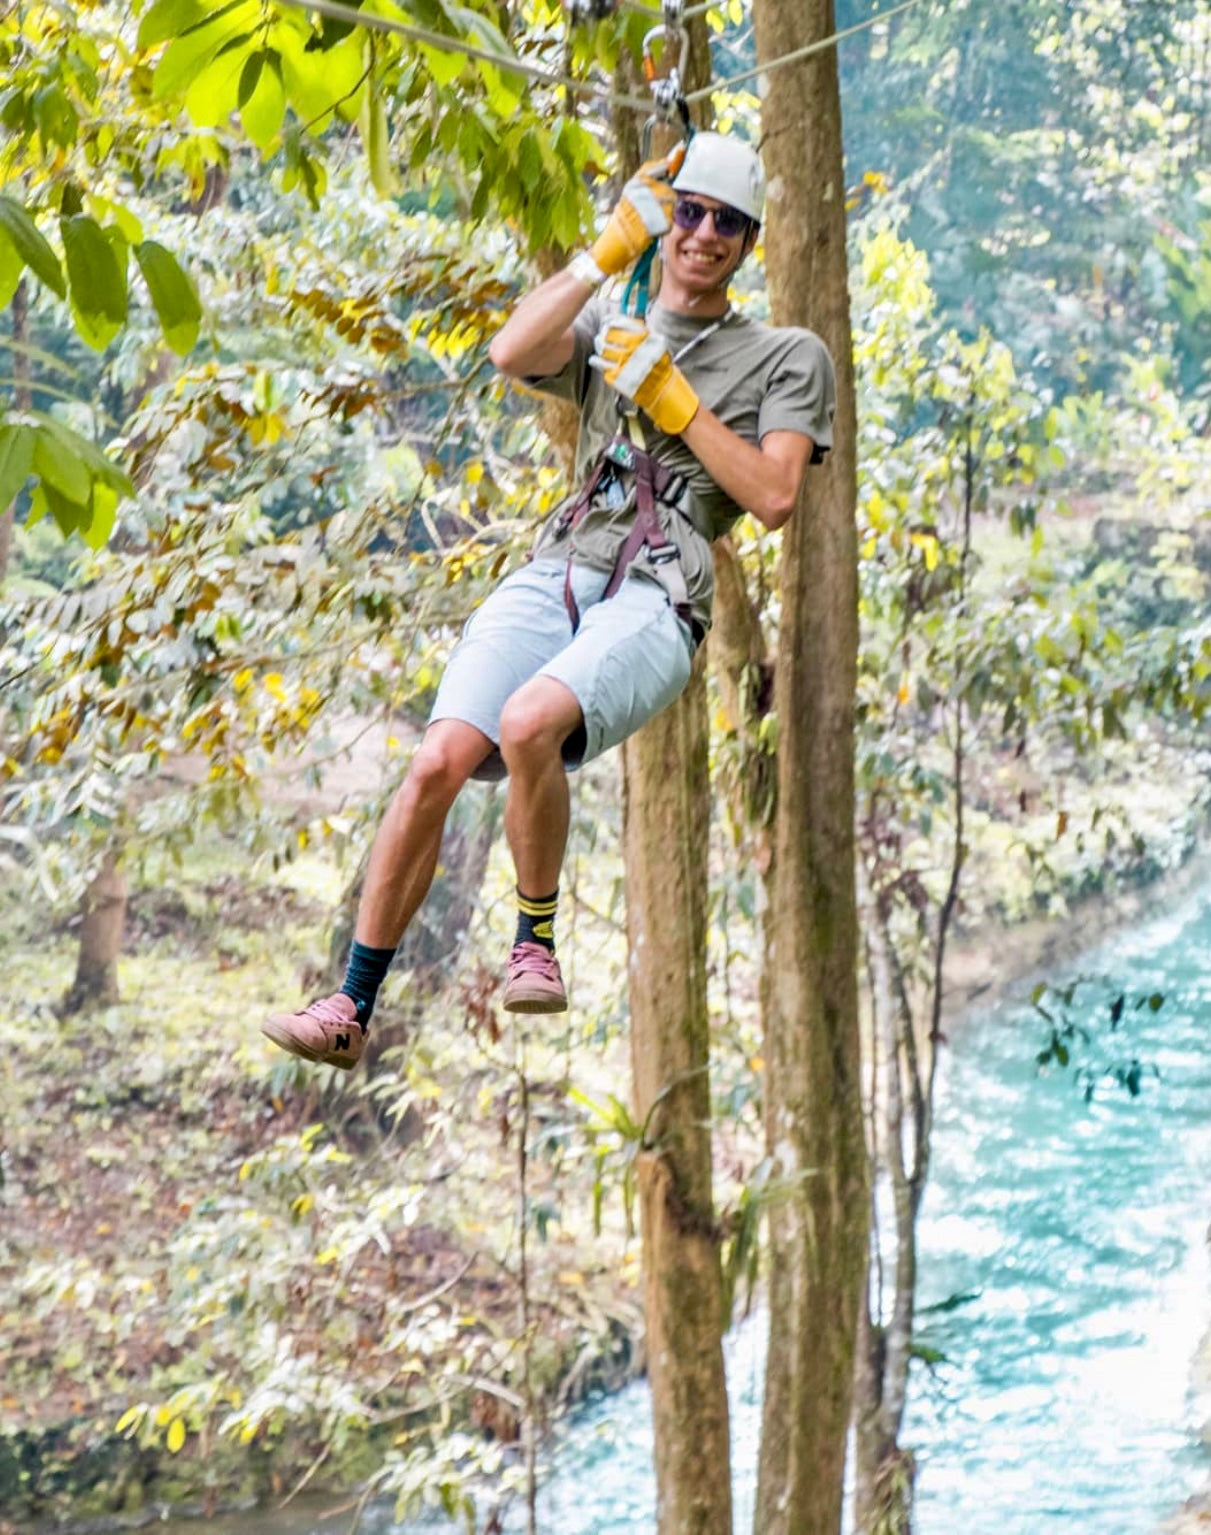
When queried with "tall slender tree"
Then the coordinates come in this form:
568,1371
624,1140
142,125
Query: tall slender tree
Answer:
813,1094
666,819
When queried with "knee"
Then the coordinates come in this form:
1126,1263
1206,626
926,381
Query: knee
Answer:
528,732
434,778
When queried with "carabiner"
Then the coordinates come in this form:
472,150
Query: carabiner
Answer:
676,74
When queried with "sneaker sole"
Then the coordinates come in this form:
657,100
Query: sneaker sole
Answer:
281,1036
535,1002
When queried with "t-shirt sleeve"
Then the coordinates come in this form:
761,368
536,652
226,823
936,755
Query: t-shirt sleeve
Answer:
802,393
572,380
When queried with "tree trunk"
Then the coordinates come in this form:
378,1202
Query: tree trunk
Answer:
883,1472
666,835
813,1091
103,917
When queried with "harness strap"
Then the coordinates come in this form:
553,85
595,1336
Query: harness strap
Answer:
653,483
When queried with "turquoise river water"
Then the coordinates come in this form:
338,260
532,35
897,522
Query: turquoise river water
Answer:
1066,1400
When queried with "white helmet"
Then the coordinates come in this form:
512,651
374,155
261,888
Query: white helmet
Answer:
726,169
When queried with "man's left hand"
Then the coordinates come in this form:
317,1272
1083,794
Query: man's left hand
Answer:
640,367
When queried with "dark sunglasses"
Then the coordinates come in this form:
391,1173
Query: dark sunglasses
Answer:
729,222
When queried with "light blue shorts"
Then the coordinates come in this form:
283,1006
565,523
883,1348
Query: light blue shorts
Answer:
628,660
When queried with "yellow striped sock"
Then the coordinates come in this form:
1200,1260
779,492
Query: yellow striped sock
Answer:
536,919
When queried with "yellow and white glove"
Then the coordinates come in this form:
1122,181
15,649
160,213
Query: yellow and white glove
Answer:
641,368
642,214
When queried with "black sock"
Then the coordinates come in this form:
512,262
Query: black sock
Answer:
364,976
536,919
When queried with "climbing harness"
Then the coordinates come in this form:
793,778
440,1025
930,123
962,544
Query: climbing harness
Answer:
655,486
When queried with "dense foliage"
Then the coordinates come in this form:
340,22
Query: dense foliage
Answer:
259,254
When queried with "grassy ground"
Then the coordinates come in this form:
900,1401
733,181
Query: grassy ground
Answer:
271,1258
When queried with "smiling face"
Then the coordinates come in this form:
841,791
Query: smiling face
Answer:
698,262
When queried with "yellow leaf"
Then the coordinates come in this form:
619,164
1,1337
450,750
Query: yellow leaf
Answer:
571,1277
176,1436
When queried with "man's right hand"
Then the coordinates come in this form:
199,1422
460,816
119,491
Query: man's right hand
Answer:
642,214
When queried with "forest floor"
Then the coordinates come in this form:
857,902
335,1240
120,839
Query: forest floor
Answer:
141,1143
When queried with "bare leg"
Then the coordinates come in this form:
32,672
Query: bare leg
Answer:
533,727
407,844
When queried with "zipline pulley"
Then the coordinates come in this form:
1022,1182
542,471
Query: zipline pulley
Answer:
668,107
668,89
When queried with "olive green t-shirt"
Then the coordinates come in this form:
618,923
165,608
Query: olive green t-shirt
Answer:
756,378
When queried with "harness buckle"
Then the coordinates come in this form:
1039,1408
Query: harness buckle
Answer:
622,453
673,491
662,554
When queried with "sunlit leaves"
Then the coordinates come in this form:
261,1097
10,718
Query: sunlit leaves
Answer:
190,53
262,98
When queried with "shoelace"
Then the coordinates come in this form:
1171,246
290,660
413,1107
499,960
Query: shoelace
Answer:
532,959
327,1011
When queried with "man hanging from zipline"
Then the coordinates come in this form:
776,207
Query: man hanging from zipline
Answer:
687,420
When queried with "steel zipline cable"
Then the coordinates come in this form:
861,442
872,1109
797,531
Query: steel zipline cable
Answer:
799,54
510,64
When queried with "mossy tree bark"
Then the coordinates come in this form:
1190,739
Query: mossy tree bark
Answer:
666,837
666,816
813,1089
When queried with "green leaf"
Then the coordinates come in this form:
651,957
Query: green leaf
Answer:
70,515
443,67
249,76
213,94
173,294
96,269
263,111
60,467
73,443
56,117
172,18
104,515
187,55
31,245
11,268
16,459
315,81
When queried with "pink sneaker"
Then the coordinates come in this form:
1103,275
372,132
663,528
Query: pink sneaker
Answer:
326,1031
533,983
